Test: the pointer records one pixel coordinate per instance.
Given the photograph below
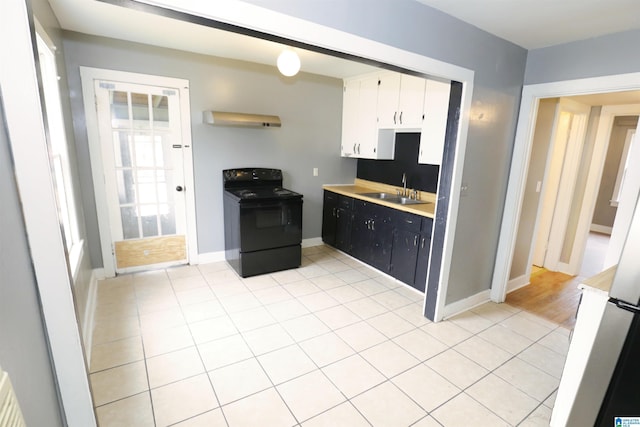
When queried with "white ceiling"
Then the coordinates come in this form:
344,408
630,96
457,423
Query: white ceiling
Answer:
103,19
529,23
534,24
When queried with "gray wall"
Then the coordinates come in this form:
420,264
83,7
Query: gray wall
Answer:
604,214
309,106
599,56
499,71
24,352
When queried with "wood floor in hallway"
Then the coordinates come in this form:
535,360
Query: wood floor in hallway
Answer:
555,296
551,295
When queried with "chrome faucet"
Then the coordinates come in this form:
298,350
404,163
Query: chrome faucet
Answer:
404,184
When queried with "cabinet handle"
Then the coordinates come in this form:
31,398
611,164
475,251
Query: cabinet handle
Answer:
415,240
373,225
337,213
358,148
401,117
422,244
354,148
333,211
394,117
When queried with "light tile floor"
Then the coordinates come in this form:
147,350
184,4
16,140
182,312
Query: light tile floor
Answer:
333,343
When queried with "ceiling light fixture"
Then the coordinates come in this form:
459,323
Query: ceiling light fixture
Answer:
288,63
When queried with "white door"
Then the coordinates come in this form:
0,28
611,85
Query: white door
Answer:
630,188
559,186
142,159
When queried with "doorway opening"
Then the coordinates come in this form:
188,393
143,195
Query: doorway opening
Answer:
141,159
569,200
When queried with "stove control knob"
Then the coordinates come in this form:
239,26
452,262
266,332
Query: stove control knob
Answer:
179,188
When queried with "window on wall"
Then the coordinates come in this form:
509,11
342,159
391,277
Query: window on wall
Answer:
58,149
622,170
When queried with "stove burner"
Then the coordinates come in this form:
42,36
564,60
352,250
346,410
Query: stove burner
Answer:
245,194
282,192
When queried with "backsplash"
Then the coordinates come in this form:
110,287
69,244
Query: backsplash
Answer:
419,177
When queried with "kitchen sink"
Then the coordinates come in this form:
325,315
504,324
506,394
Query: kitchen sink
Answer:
394,198
408,201
383,196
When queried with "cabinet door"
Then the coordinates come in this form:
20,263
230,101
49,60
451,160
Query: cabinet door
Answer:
351,92
381,242
343,229
434,125
329,209
367,119
361,236
404,255
411,104
422,266
388,99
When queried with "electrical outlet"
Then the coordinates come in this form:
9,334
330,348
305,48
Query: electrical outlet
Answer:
315,171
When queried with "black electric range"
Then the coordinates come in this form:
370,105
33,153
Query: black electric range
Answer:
262,221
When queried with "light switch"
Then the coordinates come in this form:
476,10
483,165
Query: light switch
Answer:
315,171
538,186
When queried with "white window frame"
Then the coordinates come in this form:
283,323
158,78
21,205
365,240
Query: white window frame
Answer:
622,168
59,149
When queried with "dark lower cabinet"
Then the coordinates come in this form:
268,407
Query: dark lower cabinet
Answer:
404,255
329,225
393,241
371,234
337,215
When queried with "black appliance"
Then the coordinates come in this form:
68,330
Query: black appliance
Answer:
622,399
262,221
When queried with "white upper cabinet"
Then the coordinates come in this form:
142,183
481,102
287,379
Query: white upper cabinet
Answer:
434,125
351,91
360,135
368,120
400,101
376,106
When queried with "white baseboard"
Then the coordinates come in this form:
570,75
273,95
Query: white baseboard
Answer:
601,229
314,241
211,257
219,255
90,312
468,303
518,282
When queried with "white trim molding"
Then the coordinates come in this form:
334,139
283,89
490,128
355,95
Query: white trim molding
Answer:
26,129
89,315
314,241
604,229
531,94
518,282
208,257
465,304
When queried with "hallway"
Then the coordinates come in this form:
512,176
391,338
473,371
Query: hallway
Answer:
555,296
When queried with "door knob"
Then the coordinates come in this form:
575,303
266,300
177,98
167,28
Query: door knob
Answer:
179,188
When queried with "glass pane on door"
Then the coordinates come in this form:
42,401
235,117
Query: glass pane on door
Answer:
143,169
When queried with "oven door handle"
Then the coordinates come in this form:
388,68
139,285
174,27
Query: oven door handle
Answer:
264,205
